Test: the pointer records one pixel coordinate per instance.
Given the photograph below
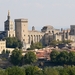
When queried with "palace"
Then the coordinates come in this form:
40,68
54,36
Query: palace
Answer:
45,36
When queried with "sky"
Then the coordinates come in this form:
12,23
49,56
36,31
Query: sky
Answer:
57,13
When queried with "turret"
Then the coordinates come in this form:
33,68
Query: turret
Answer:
33,28
8,17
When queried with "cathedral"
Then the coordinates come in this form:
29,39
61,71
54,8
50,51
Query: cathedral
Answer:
19,29
8,28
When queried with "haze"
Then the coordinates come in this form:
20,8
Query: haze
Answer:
58,13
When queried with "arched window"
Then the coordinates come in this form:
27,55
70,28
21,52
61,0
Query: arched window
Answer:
9,35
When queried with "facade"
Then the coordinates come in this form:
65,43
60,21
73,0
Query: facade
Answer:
25,35
21,29
46,35
2,45
72,27
8,28
49,29
35,36
56,34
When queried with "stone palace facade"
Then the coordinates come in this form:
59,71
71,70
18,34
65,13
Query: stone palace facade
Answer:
45,36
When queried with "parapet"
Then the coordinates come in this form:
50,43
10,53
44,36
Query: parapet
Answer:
21,20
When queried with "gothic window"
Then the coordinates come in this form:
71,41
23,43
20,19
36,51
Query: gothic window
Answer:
23,39
31,38
34,38
11,28
37,38
28,39
13,35
49,32
9,35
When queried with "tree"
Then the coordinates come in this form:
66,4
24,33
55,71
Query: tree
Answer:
56,42
72,57
71,70
37,45
32,70
63,57
30,58
53,43
2,72
66,41
50,71
53,56
16,57
13,42
32,46
15,71
63,71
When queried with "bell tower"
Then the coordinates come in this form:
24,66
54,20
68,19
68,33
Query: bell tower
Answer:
9,26
21,29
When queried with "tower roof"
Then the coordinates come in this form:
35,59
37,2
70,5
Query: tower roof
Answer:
8,13
8,17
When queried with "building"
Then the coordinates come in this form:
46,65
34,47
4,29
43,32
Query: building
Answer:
25,35
2,45
8,28
45,36
21,29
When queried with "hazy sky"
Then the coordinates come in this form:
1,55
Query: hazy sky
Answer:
58,13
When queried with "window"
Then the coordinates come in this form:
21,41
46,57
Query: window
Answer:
23,39
13,35
23,30
9,35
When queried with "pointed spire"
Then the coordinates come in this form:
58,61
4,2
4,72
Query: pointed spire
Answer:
8,15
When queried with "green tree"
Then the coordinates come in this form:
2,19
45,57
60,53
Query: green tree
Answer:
56,42
15,71
16,57
72,57
2,72
40,72
37,45
13,42
53,43
63,57
30,58
53,56
63,71
32,46
71,70
32,70
50,71
66,41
